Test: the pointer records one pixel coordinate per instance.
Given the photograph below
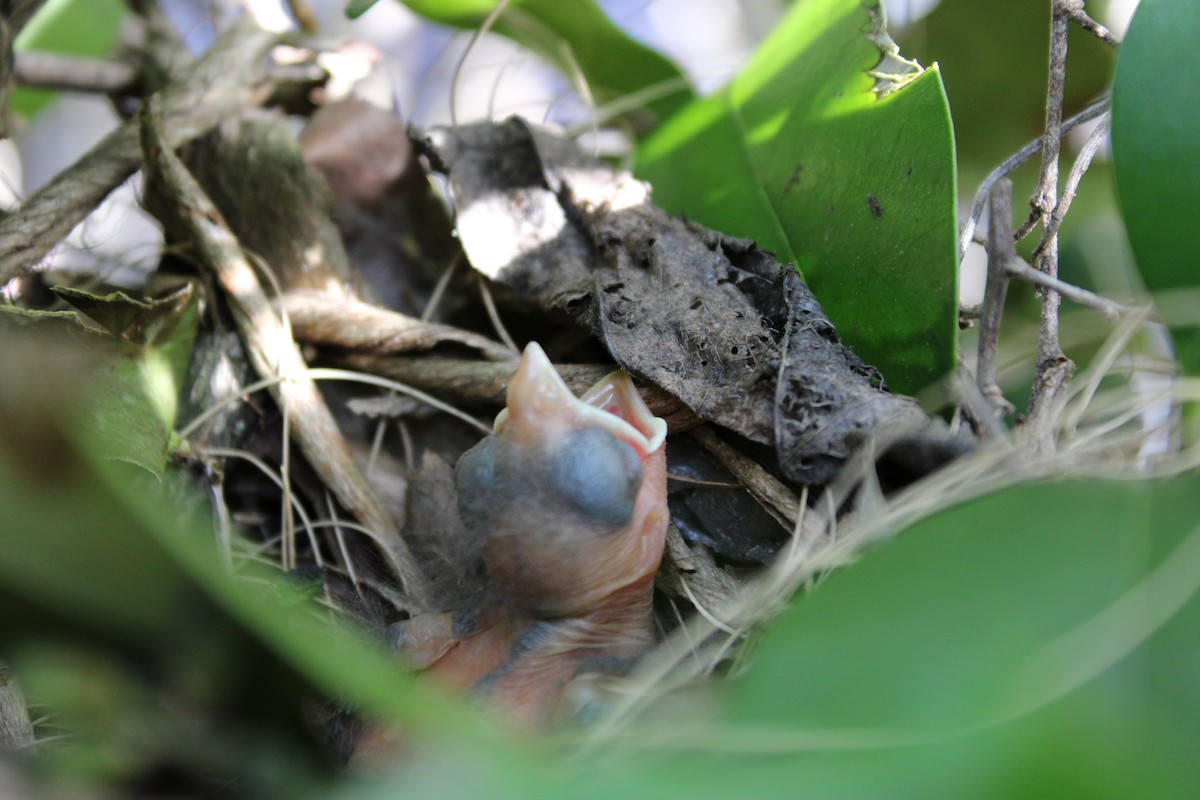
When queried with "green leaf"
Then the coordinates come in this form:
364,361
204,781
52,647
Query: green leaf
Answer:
83,28
980,614
95,549
136,366
356,8
1037,642
613,64
1156,150
849,175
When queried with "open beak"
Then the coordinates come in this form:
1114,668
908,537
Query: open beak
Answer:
539,403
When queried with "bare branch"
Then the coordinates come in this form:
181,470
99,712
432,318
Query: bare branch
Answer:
1053,371
349,324
304,16
272,351
1080,17
1027,152
981,410
228,78
1082,162
19,12
1026,228
485,382
1111,309
1001,249
71,74
768,490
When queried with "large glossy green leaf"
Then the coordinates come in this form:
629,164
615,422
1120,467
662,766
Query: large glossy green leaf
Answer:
1156,149
855,186
85,28
981,613
613,64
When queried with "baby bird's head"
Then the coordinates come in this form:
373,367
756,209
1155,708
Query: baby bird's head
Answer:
569,494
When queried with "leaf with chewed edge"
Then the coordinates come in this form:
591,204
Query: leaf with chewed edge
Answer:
835,153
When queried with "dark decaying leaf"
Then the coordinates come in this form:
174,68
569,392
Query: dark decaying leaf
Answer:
713,320
710,507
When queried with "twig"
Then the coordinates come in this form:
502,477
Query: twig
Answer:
1053,370
272,351
1082,162
980,408
485,383
488,22
304,16
324,318
226,79
1111,309
68,73
1001,249
1027,152
494,315
1026,227
327,374
17,13
439,289
1080,17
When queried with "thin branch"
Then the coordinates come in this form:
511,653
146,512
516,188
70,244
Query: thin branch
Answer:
1053,371
1111,309
303,14
336,321
1080,17
1001,249
979,408
225,80
464,381
272,351
488,22
1026,228
71,74
1082,162
19,12
1095,109
768,490
494,315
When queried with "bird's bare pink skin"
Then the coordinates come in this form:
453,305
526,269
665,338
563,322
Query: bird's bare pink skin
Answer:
570,495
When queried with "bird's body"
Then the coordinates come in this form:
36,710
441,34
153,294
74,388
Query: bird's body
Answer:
568,503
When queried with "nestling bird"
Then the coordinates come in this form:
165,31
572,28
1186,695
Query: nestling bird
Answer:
567,502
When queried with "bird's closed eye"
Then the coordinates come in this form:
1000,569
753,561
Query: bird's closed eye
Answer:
590,476
597,476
